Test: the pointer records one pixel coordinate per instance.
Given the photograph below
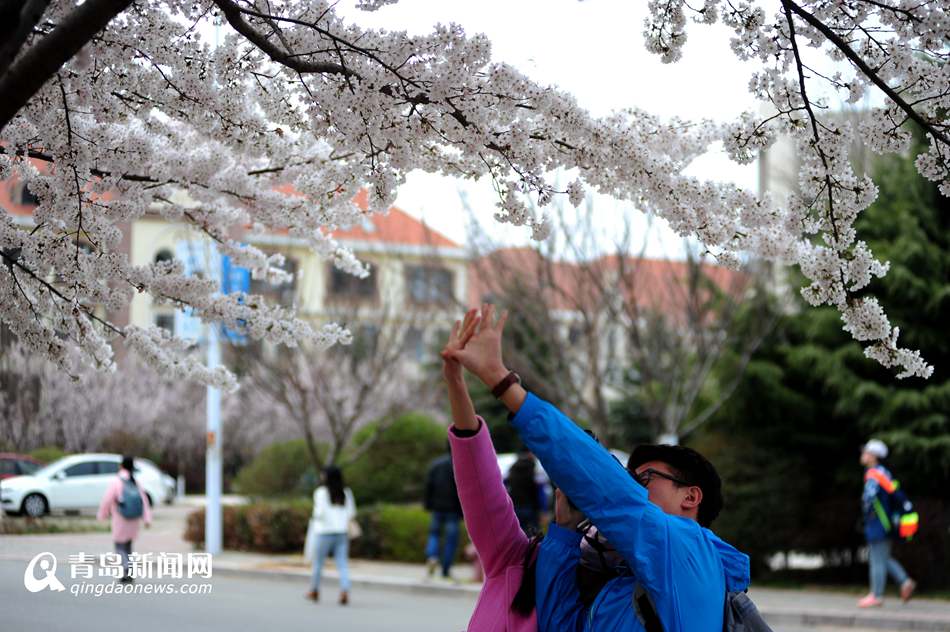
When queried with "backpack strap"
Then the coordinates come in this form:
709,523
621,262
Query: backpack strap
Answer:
646,611
882,479
881,515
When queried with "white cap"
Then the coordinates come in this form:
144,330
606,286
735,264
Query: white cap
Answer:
876,447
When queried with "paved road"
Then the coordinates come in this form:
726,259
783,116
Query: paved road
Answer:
234,604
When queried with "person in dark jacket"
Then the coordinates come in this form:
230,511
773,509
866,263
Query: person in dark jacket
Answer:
527,494
442,499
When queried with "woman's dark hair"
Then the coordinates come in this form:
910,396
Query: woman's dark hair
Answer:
128,464
333,477
524,600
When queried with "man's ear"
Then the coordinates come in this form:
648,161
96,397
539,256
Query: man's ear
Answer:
694,496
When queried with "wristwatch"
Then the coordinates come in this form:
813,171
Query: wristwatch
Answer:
505,384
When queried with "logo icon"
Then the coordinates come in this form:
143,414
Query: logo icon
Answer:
47,563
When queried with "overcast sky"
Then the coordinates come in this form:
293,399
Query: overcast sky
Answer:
594,50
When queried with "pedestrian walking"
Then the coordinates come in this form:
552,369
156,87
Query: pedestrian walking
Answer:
879,530
334,513
442,500
128,506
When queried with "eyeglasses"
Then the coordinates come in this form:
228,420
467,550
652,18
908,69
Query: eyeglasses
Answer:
647,475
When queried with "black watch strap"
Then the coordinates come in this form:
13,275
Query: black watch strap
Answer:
505,384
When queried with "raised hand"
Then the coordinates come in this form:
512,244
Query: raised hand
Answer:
461,333
481,351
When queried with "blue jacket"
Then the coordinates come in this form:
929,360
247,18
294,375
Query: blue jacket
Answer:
878,486
685,569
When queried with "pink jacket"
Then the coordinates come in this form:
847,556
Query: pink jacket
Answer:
123,529
494,530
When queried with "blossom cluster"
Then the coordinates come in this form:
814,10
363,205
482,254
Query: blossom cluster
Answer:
895,48
296,99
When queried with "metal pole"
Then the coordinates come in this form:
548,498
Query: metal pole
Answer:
213,456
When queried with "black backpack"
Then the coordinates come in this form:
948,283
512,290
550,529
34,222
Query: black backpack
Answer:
740,614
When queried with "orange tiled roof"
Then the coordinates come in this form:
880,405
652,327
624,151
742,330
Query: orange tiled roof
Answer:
395,227
650,284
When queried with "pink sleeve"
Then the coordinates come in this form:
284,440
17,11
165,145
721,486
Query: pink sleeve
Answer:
146,508
108,500
489,515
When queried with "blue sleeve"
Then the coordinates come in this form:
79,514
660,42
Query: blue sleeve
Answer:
601,488
556,595
871,488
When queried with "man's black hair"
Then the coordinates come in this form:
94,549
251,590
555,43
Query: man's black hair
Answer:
692,467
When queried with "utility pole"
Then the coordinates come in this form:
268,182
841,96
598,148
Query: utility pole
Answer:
213,528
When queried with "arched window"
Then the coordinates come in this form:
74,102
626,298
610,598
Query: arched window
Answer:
27,197
164,255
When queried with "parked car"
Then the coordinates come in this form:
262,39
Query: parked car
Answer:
12,464
77,483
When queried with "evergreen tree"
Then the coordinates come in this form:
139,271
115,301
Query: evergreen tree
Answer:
788,441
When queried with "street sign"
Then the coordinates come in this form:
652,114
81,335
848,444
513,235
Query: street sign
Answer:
202,258
234,279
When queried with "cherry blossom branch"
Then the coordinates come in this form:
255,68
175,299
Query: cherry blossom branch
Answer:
234,15
14,260
867,70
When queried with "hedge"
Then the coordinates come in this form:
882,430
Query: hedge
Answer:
390,532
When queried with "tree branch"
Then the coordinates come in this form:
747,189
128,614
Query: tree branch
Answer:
892,94
30,13
38,64
234,15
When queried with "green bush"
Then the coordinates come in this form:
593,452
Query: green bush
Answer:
273,527
396,533
277,470
394,469
48,454
390,532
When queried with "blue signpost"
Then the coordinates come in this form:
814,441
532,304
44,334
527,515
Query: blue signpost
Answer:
234,279
203,258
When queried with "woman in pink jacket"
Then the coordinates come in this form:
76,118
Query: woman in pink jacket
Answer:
506,602
127,510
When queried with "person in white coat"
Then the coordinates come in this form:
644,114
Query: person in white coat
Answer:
333,509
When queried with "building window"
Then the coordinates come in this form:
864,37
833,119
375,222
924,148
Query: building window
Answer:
345,285
574,334
166,322
281,293
415,344
429,284
365,341
164,255
27,198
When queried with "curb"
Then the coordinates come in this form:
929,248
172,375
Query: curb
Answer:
842,619
408,586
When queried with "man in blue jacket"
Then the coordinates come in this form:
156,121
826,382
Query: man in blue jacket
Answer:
679,570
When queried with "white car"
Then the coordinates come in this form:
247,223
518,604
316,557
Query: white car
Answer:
77,483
